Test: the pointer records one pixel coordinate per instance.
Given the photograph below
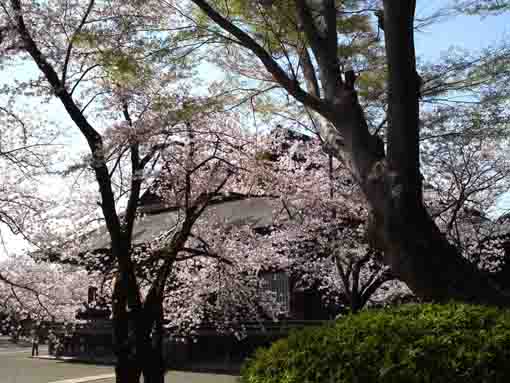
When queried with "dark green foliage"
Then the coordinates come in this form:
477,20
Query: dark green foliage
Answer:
412,343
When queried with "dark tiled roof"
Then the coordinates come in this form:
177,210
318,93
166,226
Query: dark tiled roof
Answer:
256,212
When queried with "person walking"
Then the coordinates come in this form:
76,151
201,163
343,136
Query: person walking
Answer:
35,342
52,340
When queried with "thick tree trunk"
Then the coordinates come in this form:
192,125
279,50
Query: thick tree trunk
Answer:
127,370
433,268
153,363
137,353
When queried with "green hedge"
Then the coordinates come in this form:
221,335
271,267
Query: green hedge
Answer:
411,343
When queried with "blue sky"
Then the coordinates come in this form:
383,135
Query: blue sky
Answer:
465,32
472,33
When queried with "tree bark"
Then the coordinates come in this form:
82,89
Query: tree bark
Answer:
153,363
126,317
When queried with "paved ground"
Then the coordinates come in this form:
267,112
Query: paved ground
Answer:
16,366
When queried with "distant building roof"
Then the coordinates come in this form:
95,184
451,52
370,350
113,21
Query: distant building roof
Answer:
254,211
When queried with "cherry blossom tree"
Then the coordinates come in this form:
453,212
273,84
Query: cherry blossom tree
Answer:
470,175
99,60
42,291
34,294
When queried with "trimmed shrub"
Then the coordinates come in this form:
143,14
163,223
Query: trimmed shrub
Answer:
411,343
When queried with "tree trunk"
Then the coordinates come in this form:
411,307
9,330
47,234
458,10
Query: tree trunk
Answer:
153,363
138,354
355,302
127,368
127,315
125,372
125,346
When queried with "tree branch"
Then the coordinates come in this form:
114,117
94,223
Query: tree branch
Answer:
136,176
202,253
280,76
403,129
71,41
323,48
309,73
